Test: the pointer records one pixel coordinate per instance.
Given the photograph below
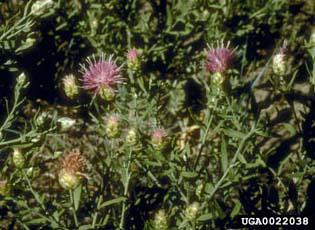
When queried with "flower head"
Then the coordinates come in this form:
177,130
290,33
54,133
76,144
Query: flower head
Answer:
18,158
192,211
219,59
132,137
101,76
279,64
133,59
70,87
4,188
40,6
159,138
71,170
312,38
160,220
132,55
113,126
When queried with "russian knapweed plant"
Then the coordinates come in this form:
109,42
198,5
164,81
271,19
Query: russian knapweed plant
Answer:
154,133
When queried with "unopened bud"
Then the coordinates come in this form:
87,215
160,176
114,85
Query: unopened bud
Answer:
40,6
70,86
279,64
22,80
68,180
217,78
42,119
65,123
312,39
192,211
160,220
133,59
132,137
4,188
199,190
18,158
112,126
106,93
159,139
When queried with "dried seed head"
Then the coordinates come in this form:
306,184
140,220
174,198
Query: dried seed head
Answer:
101,76
72,168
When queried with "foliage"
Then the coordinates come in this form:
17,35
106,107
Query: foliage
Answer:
176,145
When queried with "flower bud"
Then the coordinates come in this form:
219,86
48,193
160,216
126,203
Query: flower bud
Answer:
279,64
40,6
22,80
4,188
217,78
132,137
72,169
93,25
192,211
106,93
32,172
41,119
159,139
18,158
312,39
68,180
70,87
133,59
65,123
160,220
112,126
199,190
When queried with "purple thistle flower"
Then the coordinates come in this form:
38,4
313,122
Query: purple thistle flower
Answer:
101,74
219,59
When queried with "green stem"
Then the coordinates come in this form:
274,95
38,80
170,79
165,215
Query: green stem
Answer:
232,164
204,138
126,186
73,209
38,200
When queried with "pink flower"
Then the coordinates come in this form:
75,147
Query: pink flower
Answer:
159,138
132,55
219,59
101,74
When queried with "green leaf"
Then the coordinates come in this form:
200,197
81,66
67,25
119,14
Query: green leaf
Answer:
224,155
85,227
77,196
41,220
189,174
205,217
242,159
234,133
236,208
290,128
113,201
